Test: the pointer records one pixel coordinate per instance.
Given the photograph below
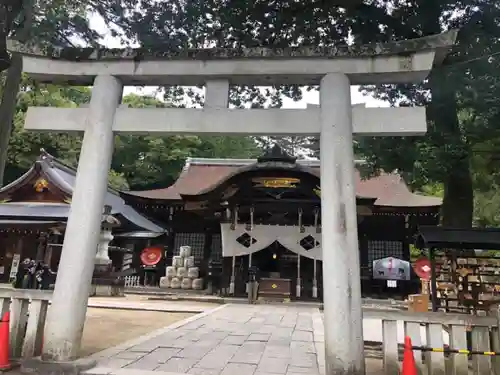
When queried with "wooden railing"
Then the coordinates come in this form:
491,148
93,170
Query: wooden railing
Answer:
28,310
438,331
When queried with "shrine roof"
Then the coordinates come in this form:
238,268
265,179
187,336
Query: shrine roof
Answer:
63,177
459,239
439,41
201,174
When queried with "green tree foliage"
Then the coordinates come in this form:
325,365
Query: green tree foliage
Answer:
462,97
150,162
139,162
467,83
24,146
51,22
175,25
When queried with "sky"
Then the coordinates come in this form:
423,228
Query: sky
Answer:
311,97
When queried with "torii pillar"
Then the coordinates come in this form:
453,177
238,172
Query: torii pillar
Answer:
335,121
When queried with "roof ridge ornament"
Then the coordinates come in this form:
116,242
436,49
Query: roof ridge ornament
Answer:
45,157
276,154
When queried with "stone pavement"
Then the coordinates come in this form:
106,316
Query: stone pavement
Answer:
231,339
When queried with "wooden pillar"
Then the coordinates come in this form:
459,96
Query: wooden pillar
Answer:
298,286
52,239
207,245
19,247
434,297
54,254
171,242
364,260
42,246
407,236
207,252
409,286
315,262
144,272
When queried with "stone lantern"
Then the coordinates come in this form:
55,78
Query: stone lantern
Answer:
104,283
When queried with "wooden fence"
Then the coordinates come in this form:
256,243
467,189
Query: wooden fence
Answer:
28,310
444,333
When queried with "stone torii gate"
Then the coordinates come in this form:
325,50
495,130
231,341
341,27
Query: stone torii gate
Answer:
334,69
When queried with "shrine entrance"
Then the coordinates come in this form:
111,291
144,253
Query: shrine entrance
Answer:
284,274
277,267
268,260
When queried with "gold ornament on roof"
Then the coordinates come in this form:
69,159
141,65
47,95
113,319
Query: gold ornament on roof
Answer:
41,185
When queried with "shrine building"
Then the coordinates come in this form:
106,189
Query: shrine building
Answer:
267,213
33,215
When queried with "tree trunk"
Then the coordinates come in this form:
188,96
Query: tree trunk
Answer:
9,11
8,108
458,202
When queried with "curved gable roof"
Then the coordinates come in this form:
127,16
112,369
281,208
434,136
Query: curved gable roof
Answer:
200,174
64,178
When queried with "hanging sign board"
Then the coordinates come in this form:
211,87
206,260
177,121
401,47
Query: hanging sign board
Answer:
151,256
391,269
422,268
16,259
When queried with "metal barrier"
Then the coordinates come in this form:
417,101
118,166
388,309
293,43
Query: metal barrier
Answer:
446,350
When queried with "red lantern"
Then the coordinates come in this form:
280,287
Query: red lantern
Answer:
423,268
151,256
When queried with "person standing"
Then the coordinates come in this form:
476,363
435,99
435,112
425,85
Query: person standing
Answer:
45,277
253,284
30,281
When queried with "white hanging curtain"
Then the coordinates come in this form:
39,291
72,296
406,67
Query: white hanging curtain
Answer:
239,241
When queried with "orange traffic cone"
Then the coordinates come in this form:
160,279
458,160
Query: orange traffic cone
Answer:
409,366
4,342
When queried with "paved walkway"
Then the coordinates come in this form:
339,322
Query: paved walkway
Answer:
232,339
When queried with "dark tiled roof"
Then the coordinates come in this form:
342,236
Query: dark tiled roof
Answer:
64,177
200,174
456,238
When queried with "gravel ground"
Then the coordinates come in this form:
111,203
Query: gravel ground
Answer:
106,328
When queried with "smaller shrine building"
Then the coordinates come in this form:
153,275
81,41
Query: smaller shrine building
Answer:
34,210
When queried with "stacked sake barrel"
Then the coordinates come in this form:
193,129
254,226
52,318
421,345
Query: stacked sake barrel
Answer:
182,274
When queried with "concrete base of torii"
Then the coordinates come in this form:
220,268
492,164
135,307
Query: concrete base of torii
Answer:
44,367
397,62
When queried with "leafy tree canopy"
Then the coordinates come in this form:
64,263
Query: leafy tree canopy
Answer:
462,97
139,162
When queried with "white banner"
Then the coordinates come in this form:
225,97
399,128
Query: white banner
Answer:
307,244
